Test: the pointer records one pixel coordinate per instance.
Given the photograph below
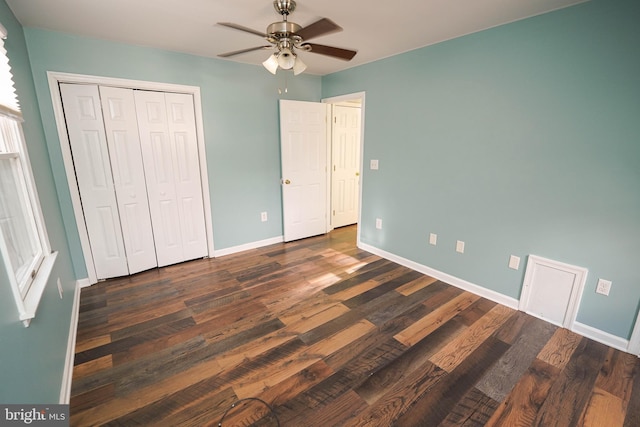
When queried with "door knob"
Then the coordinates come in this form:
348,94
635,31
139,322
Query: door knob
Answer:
286,181
357,173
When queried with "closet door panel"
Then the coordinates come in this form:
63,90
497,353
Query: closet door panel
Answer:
182,132
158,159
90,154
123,140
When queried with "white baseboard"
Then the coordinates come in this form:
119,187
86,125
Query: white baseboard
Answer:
67,375
444,277
248,246
84,283
600,336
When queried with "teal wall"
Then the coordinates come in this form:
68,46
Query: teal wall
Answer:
32,359
522,139
240,114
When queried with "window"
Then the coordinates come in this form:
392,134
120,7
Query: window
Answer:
24,246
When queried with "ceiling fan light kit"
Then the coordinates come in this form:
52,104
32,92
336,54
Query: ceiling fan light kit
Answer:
287,37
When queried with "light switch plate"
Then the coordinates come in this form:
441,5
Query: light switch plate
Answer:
263,216
378,223
460,246
373,165
433,239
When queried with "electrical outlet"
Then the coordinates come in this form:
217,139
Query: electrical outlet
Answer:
604,287
378,223
60,291
433,239
514,262
460,246
263,216
373,165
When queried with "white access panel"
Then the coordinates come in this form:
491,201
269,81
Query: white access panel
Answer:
121,125
303,133
552,290
345,154
87,138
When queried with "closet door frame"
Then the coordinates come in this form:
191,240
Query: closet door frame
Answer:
55,78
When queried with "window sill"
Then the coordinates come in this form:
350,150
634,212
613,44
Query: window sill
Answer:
32,300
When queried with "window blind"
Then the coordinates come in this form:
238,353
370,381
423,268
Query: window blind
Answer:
9,104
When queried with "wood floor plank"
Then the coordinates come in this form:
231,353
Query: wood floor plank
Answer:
297,384
435,319
476,311
603,409
400,305
560,348
500,379
402,367
569,395
336,413
252,385
617,374
399,398
119,405
473,410
93,366
372,270
92,342
632,417
416,285
457,350
521,406
435,406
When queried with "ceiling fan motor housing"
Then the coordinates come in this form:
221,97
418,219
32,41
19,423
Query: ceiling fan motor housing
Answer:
284,7
284,28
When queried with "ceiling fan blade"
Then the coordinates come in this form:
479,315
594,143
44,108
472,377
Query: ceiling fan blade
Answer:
336,52
238,52
319,28
242,28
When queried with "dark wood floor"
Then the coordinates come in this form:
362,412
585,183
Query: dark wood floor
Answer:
329,335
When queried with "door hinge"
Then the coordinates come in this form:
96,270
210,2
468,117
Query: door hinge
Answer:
334,213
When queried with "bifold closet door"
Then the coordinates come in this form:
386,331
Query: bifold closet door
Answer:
95,182
123,141
166,123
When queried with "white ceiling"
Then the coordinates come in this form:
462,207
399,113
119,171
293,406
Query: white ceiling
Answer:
376,29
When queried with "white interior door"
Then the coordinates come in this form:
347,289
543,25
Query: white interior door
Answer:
121,125
87,138
345,154
303,138
170,157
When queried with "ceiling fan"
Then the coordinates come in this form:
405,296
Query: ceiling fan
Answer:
287,37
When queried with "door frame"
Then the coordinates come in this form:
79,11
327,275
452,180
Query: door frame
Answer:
336,100
54,78
634,342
